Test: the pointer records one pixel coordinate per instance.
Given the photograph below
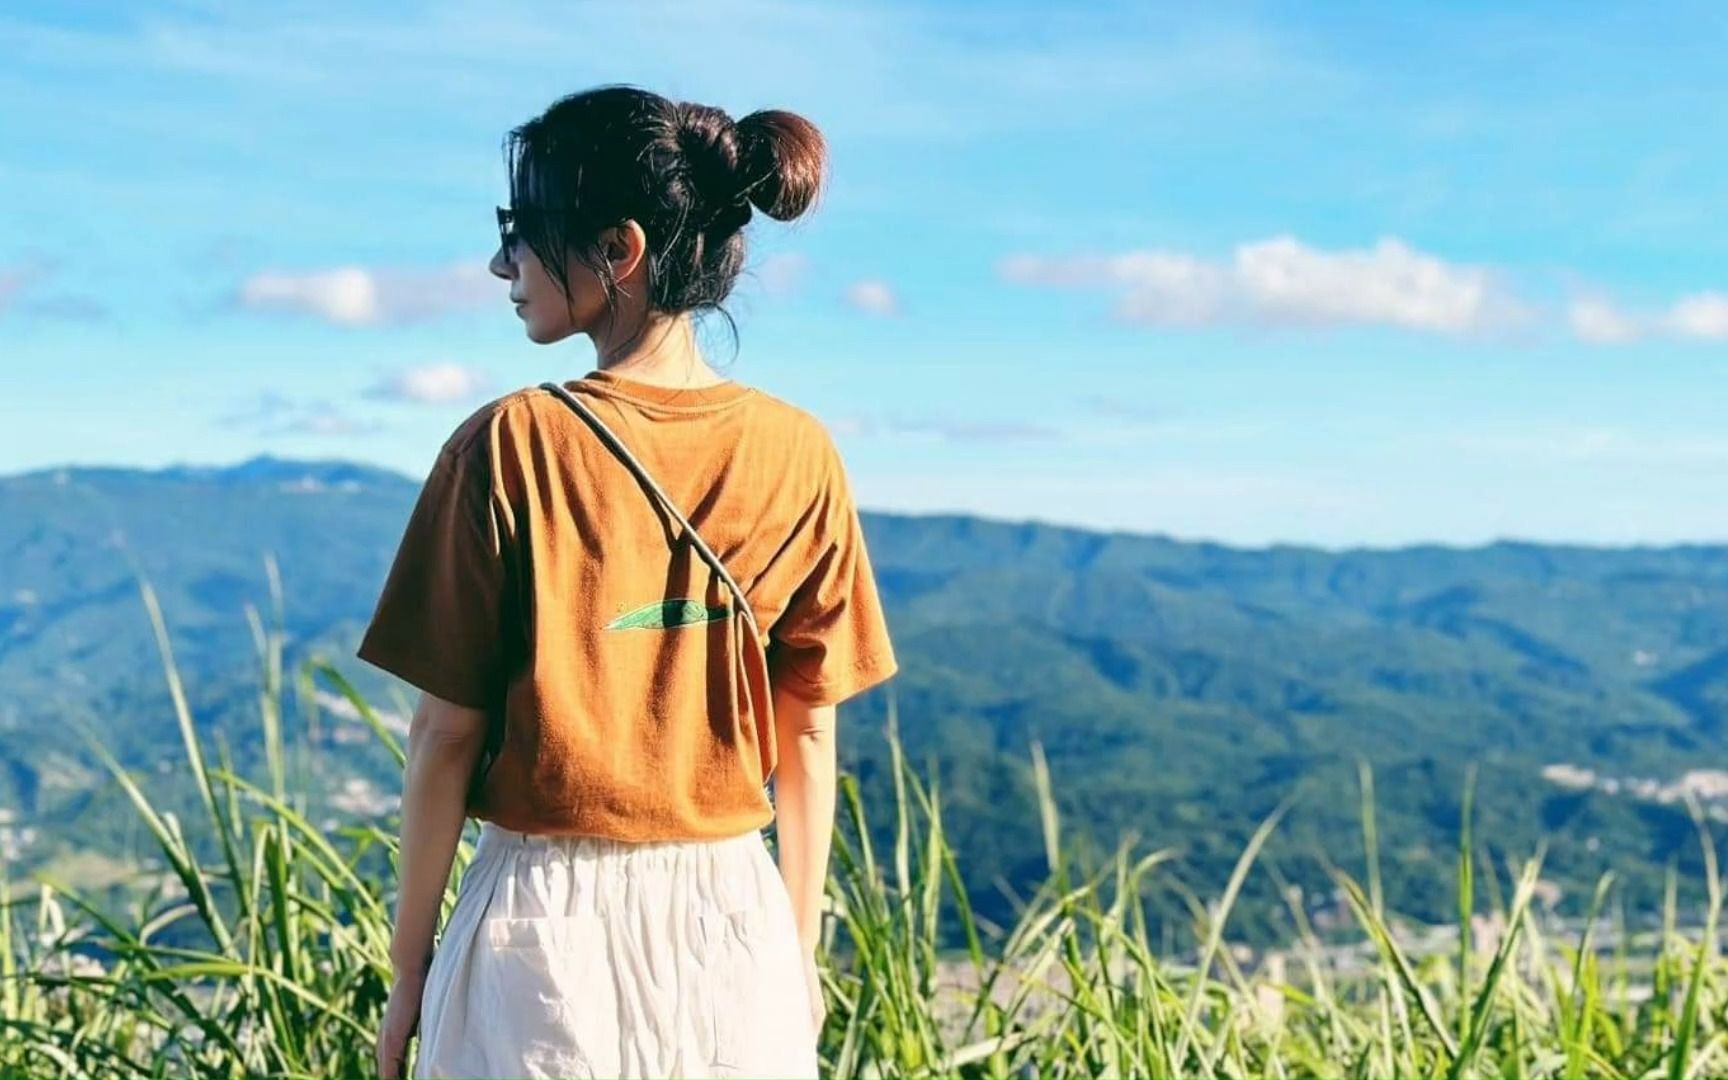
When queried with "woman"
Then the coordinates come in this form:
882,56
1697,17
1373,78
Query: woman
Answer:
629,599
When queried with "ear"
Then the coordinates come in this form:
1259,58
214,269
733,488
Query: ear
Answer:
625,245
613,244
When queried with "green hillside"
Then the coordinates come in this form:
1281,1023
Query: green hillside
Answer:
1181,690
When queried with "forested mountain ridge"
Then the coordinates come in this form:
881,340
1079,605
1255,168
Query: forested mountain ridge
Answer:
1181,690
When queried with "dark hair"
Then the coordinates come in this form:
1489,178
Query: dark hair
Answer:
687,173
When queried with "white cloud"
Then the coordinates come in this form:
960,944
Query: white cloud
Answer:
430,384
1159,287
1282,282
1701,315
1390,284
357,296
1597,320
874,297
348,296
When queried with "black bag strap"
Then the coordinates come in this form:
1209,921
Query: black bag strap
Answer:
612,441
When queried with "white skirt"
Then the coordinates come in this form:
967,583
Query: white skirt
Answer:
578,956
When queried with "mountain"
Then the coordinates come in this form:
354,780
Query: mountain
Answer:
1181,690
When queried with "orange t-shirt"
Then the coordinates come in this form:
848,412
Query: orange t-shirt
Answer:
539,580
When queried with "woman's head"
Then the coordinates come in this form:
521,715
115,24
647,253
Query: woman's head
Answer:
625,205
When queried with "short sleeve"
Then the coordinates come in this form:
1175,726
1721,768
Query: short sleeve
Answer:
440,622
831,642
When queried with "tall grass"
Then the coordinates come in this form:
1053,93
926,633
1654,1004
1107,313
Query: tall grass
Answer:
260,949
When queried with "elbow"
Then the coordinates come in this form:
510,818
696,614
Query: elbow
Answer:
805,734
797,719
442,759
444,745
808,747
443,732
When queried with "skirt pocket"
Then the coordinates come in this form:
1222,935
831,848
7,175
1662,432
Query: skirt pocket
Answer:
551,992
736,953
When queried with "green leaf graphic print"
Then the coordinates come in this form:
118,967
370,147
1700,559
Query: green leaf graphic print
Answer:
667,615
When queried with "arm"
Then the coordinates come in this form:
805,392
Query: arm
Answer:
444,743
804,782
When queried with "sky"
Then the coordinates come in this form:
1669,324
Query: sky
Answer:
1334,274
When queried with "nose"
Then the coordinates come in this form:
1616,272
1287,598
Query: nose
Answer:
500,266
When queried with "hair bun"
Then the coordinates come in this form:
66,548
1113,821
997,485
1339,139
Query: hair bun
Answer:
783,157
771,158
709,141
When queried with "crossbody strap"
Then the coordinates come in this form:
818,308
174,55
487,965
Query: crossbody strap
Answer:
612,441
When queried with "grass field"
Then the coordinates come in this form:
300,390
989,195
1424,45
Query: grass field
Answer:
259,948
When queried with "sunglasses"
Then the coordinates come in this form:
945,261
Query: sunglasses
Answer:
507,231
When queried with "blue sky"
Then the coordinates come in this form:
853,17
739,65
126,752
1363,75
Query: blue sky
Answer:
1336,274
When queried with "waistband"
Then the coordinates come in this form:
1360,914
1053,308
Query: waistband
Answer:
498,838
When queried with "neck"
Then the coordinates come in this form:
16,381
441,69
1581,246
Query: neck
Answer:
661,351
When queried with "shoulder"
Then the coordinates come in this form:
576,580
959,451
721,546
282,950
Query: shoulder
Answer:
811,460
805,437
479,436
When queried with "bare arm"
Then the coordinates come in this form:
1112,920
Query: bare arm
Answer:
444,743
804,783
